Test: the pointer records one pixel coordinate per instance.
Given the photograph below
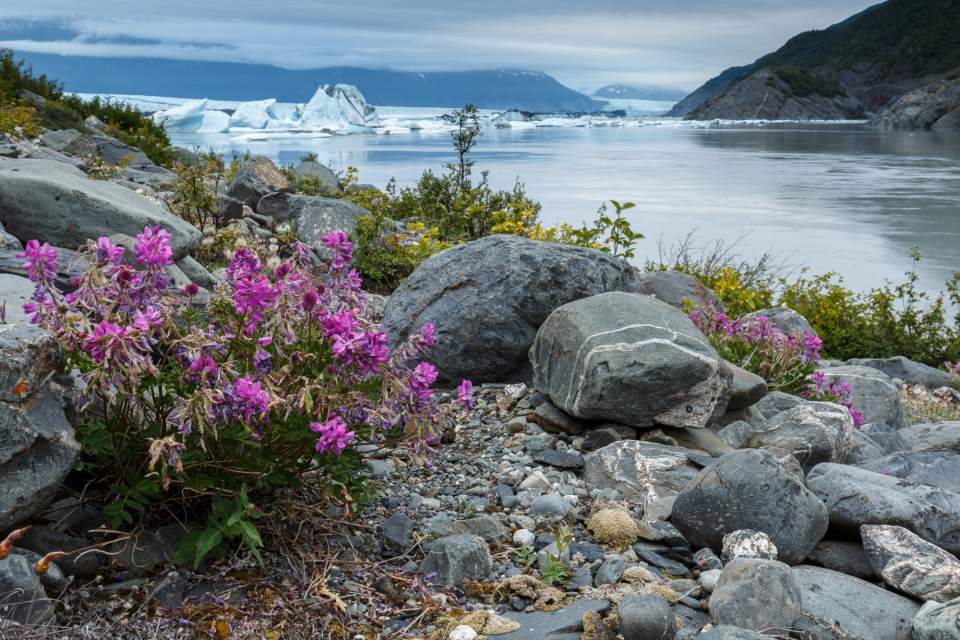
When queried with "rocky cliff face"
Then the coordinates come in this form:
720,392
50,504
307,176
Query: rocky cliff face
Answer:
934,105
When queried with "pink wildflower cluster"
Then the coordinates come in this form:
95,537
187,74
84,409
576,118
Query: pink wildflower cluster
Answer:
277,357
783,360
839,392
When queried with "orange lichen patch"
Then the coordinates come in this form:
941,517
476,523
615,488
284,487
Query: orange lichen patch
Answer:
21,388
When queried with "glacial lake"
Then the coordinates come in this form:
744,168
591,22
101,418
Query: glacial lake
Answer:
830,197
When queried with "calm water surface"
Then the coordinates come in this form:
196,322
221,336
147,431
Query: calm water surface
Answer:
831,197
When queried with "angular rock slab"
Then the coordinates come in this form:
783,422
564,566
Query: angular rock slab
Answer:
563,624
678,289
750,489
783,318
936,621
639,470
933,468
872,393
756,594
630,359
28,355
22,598
456,558
855,497
37,450
813,432
933,436
840,607
52,202
905,369
910,564
256,178
487,299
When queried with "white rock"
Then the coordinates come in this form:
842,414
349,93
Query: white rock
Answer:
708,579
523,538
536,480
744,543
463,632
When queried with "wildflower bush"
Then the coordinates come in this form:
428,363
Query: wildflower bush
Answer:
834,391
784,361
272,383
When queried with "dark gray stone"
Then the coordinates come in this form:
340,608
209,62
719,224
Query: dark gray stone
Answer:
678,290
639,470
549,418
601,437
319,173
655,557
563,624
750,489
756,594
840,607
610,571
873,393
397,532
936,621
746,388
37,450
843,556
645,616
255,179
910,564
776,402
863,448
152,176
54,203
630,359
726,632
68,141
934,468
28,356
855,497
114,152
455,558
936,436
196,272
487,299
786,320
559,459
22,598
550,507
905,369
70,264
813,432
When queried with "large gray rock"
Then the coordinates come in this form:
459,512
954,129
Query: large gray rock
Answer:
255,179
645,616
726,632
114,152
563,624
840,607
935,468
70,265
750,489
54,203
37,450
320,174
629,358
756,594
873,393
746,388
786,320
843,556
150,175
313,216
910,564
455,558
936,621
28,355
487,299
936,436
855,497
639,470
777,402
905,369
69,141
813,432
22,598
678,290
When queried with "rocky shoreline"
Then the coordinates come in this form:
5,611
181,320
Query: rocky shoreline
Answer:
616,478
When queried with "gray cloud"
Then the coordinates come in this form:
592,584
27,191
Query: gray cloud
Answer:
583,44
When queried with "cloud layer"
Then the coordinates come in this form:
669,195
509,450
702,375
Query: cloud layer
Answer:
583,44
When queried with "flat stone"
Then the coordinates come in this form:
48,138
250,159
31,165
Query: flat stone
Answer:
934,468
756,594
645,616
563,624
843,556
873,393
936,621
639,470
456,558
559,459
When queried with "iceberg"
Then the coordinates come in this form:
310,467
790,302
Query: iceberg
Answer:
339,106
215,122
186,118
252,115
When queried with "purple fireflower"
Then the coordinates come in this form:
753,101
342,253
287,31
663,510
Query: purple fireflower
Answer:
421,378
252,295
148,319
334,435
105,337
153,247
342,249
204,366
248,400
109,253
41,261
465,394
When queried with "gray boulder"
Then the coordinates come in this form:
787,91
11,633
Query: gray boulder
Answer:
255,179
756,594
37,450
910,564
678,290
905,369
150,175
8,242
863,448
630,359
936,621
70,264
934,468
114,152
786,320
453,559
28,355
54,203
196,272
841,607
645,616
639,470
487,299
813,432
746,388
69,141
22,598
936,436
313,216
726,632
777,402
319,173
750,489
843,556
856,497
873,393
562,624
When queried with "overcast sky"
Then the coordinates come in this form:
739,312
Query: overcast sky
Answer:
583,43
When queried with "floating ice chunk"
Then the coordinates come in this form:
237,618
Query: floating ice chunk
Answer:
337,107
214,122
252,115
284,115
186,118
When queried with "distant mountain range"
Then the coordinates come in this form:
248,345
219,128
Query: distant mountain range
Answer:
496,89
634,92
860,67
